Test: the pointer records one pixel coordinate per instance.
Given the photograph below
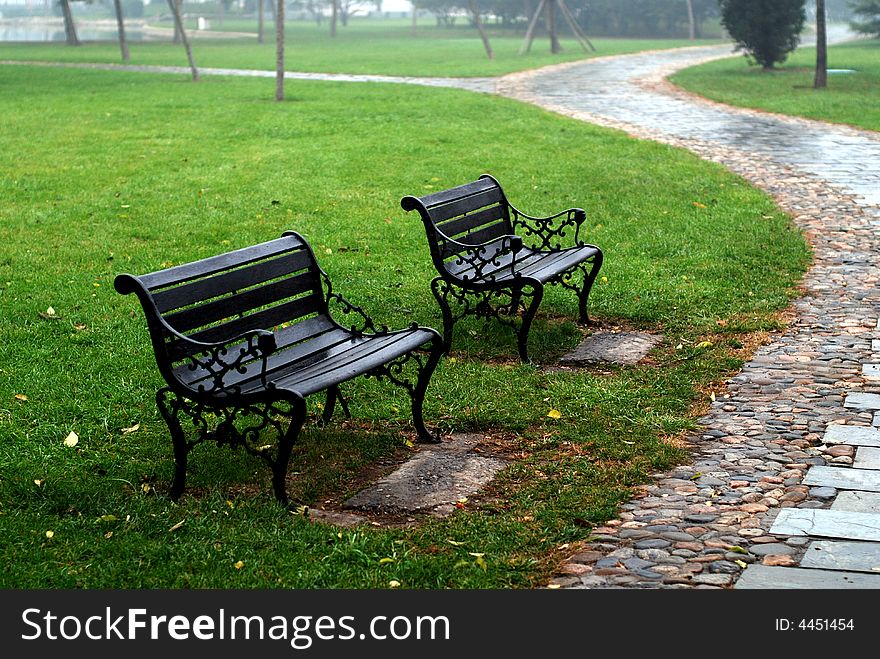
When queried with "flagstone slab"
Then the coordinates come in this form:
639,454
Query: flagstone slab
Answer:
860,400
844,478
867,457
843,555
857,502
612,347
827,524
433,480
838,433
871,371
794,578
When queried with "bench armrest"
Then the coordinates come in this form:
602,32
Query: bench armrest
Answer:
480,257
216,358
549,232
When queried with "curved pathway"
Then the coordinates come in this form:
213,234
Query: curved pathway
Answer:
784,487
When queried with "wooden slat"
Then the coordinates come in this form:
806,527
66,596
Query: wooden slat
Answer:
444,196
213,264
266,319
248,276
461,205
471,221
245,302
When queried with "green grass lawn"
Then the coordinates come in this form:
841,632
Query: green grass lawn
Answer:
109,172
362,47
849,98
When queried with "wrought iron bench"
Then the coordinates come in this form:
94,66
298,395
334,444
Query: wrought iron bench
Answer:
242,338
491,257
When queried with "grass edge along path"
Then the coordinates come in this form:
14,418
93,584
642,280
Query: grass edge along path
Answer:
851,97
124,172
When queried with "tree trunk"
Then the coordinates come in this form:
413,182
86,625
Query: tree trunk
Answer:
334,15
69,25
259,21
473,6
178,25
551,27
692,24
279,51
821,79
414,14
120,28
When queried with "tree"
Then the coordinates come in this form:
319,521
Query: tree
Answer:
820,80
870,10
767,30
279,51
120,28
475,12
178,26
69,25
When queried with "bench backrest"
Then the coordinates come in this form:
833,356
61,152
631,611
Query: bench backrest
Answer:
472,214
220,297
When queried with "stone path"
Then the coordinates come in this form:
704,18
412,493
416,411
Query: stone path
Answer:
784,486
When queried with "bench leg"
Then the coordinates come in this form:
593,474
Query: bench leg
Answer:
441,290
522,335
586,286
169,406
333,394
285,446
418,392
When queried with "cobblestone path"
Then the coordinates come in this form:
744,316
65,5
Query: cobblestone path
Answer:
783,488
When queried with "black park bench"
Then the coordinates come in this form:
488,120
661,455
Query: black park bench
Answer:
491,257
242,338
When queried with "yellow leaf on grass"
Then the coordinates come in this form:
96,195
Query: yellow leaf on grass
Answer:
394,583
554,414
699,205
385,560
125,431
238,565
20,397
50,534
177,526
71,440
39,482
704,344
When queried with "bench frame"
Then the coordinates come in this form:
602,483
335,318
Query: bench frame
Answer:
493,260
231,378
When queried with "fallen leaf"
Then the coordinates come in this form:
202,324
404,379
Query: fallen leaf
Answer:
554,414
108,518
39,482
712,396
742,564
238,565
176,526
50,534
71,440
699,205
382,561
49,314
108,535
454,542
21,397
125,431
704,344
394,583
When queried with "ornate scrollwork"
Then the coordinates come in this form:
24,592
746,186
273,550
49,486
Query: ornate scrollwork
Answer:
216,362
480,262
366,324
236,426
549,232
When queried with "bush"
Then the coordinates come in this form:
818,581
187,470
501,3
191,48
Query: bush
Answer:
767,30
870,10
